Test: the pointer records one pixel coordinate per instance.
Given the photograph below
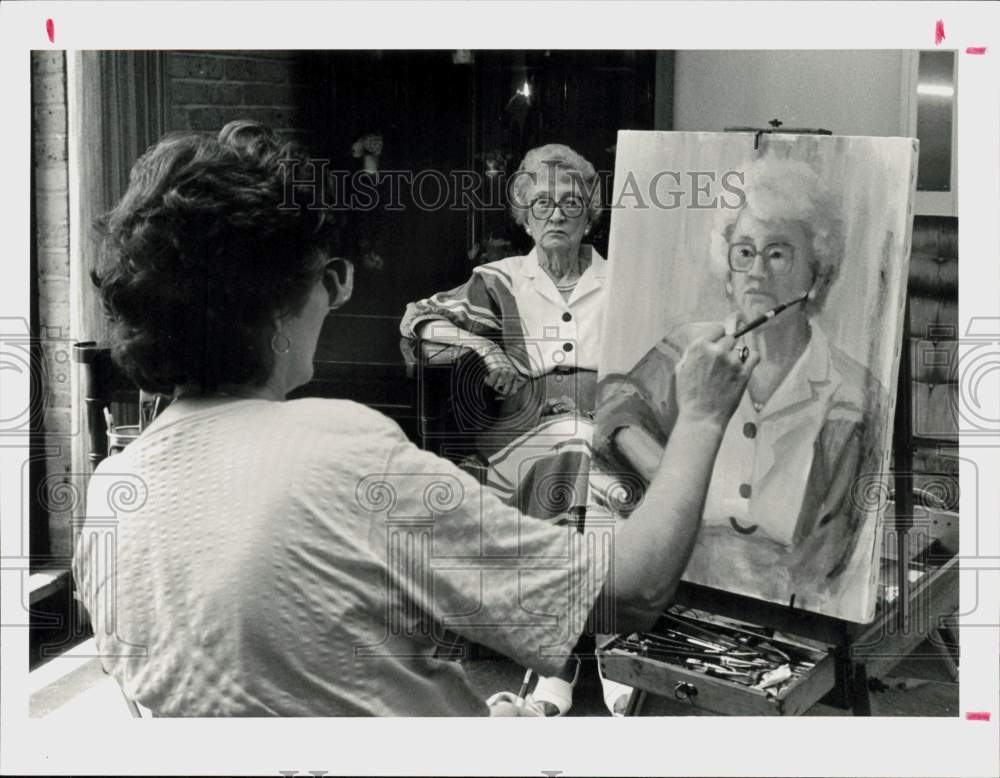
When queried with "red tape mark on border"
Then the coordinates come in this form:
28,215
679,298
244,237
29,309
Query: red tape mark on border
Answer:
979,715
938,32
976,50
50,28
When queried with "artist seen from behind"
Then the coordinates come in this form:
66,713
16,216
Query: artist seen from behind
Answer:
261,568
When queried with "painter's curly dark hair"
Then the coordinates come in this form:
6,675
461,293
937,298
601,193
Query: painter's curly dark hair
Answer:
212,241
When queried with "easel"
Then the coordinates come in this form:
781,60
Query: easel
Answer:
856,648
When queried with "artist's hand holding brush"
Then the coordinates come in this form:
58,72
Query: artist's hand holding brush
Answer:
689,342
710,376
652,548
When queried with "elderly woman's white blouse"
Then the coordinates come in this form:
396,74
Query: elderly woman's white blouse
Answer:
515,302
304,559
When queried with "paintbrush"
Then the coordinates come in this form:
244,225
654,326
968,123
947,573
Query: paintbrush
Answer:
766,317
524,689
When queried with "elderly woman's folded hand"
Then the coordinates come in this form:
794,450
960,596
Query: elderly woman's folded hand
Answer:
501,374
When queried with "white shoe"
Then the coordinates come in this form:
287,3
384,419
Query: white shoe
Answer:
508,704
556,692
616,695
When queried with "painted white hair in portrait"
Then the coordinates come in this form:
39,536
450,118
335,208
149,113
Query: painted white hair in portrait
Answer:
807,237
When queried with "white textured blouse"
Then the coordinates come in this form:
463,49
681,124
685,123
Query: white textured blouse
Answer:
304,558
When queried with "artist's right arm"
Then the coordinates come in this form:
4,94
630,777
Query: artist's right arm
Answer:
652,548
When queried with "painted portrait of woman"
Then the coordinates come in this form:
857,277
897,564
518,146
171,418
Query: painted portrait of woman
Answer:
782,518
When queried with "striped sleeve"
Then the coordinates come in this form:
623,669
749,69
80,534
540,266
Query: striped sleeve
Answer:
484,305
470,306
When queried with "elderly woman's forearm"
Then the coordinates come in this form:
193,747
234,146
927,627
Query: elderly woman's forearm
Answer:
652,548
448,334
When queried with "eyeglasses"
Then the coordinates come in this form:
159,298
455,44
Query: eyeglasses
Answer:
339,285
544,207
778,257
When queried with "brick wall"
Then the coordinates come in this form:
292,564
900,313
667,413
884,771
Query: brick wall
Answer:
48,74
208,89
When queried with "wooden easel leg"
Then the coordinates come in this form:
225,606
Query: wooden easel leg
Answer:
635,702
942,641
840,695
860,701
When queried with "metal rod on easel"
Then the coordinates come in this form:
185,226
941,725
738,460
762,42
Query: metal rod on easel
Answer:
902,446
776,127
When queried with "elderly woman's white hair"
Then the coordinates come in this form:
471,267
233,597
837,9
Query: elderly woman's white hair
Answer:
789,190
548,157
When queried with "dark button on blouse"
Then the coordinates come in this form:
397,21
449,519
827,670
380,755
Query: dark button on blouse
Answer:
750,430
567,346
567,316
745,491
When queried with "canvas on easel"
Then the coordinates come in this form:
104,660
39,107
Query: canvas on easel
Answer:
726,227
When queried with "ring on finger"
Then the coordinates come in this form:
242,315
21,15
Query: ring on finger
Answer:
743,352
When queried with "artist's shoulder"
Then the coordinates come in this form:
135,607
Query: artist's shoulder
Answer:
324,416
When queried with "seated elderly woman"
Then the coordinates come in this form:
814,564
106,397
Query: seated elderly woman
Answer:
778,511
536,322
303,557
